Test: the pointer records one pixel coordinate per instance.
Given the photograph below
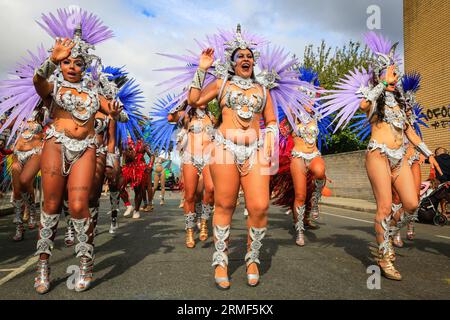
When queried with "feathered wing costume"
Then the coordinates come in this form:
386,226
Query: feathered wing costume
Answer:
18,95
345,100
410,84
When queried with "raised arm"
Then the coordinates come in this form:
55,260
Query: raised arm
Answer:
199,97
61,50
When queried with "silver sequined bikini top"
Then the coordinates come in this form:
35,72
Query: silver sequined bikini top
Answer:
238,101
307,129
31,130
394,116
81,108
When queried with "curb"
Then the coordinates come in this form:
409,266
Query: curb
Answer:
349,207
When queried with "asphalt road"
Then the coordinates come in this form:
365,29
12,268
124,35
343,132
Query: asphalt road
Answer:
147,259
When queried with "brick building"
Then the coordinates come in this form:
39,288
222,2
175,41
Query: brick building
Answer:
427,50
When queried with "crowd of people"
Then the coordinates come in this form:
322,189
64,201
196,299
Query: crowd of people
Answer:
78,123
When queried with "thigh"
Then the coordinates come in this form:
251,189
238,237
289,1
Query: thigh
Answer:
256,183
31,168
317,168
16,170
207,180
225,177
405,187
190,178
53,182
379,173
298,173
79,183
415,168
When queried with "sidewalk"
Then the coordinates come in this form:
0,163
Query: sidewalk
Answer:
351,204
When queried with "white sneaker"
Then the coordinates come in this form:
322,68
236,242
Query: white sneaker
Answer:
128,212
114,226
136,215
246,212
288,212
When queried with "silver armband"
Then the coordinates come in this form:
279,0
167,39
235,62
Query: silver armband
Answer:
46,69
373,94
199,78
123,117
273,128
422,148
110,159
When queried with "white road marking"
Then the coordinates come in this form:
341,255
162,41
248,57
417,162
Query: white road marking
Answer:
7,270
371,222
19,270
350,218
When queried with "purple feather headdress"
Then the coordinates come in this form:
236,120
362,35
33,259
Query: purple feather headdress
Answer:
222,42
384,51
67,20
84,28
346,98
280,76
19,94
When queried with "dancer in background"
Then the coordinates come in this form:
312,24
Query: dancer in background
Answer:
377,94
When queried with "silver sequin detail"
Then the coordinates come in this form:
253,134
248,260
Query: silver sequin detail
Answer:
256,235
48,227
221,234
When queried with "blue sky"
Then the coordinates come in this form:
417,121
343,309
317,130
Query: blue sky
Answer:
143,28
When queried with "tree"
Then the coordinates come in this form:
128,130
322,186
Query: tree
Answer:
330,68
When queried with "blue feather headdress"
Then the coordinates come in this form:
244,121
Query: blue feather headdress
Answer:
130,95
159,132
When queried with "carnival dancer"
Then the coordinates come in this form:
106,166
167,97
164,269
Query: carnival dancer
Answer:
302,170
29,121
375,92
68,155
242,151
408,87
198,125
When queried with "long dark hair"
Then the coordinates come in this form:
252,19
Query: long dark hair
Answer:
381,102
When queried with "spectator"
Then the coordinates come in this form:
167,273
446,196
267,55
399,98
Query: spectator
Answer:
443,159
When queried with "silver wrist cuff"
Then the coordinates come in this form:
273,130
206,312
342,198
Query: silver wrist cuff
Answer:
273,128
422,148
199,78
46,69
373,94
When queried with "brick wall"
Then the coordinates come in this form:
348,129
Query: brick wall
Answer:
427,50
348,172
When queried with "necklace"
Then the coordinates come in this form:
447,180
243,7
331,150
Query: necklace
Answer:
244,84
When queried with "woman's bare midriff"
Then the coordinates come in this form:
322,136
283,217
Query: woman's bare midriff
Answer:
63,122
382,133
27,145
301,146
237,134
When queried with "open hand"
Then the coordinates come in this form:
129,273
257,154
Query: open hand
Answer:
114,108
206,59
61,50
